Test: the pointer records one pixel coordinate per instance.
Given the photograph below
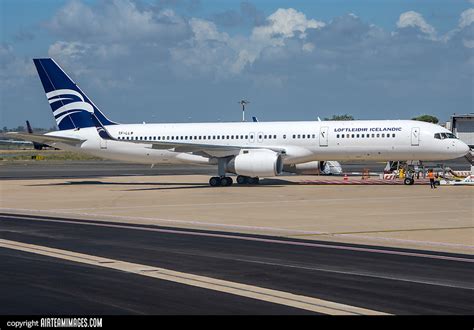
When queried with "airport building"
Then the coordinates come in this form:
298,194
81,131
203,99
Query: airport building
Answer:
463,127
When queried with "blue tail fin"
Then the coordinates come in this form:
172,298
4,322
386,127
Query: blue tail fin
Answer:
72,108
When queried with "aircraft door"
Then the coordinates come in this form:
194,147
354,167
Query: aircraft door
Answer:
323,136
415,136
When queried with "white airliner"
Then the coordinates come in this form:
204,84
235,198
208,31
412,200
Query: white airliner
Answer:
249,149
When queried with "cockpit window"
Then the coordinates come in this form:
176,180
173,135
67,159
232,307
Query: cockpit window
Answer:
442,136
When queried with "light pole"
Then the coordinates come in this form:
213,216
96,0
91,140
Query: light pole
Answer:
243,103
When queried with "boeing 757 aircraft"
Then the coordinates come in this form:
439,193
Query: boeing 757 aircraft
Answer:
249,149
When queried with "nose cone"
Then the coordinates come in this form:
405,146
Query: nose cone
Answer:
462,147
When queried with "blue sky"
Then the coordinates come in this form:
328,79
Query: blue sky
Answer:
192,60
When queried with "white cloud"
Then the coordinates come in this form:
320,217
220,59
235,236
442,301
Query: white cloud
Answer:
467,18
284,23
204,30
116,21
468,43
308,47
208,44
414,19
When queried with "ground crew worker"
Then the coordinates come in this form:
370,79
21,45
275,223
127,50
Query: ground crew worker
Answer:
432,179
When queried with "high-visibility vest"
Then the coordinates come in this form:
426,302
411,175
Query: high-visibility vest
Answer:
431,175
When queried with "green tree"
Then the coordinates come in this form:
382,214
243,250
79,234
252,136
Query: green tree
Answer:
427,118
340,117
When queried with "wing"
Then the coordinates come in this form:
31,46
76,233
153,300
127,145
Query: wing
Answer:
206,150
44,139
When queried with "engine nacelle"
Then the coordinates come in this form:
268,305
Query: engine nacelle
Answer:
314,167
256,163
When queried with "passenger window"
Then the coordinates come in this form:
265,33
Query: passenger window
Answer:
284,136
294,136
337,136
246,137
342,136
362,136
357,135
378,135
353,135
383,135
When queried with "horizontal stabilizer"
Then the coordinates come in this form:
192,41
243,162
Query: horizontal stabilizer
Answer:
45,139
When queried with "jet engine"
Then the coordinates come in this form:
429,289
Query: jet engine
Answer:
256,163
314,167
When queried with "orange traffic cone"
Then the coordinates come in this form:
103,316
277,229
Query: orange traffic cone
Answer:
345,177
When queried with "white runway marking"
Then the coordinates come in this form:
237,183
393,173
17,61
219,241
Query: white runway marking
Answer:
244,290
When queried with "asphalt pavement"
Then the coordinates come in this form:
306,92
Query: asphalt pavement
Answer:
395,281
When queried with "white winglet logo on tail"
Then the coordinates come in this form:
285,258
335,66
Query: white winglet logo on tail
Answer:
69,108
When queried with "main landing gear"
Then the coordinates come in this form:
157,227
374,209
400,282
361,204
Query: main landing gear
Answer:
221,180
224,181
241,179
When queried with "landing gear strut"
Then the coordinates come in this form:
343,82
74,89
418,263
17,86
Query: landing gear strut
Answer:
221,180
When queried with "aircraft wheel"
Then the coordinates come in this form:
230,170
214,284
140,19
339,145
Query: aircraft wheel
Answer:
215,181
408,181
254,180
242,179
226,181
